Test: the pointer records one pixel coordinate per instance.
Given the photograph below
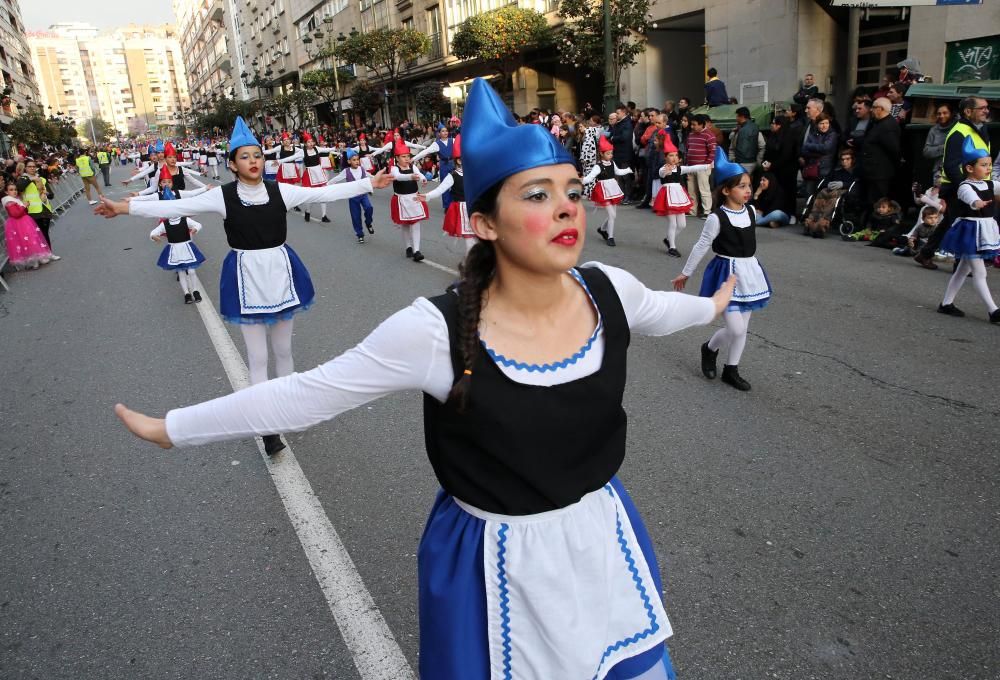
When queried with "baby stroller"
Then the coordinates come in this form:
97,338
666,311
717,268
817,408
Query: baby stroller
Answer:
834,204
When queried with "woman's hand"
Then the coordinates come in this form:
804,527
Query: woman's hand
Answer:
110,209
380,180
142,426
724,294
680,282
421,197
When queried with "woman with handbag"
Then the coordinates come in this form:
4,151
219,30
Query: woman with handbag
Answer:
818,151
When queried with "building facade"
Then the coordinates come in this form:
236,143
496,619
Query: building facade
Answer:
210,47
17,86
132,77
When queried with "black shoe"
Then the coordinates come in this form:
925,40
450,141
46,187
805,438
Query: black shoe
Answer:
273,444
731,376
952,310
708,358
603,232
666,242
673,252
409,252
361,239
297,209
307,217
611,241
325,219
188,299
924,262
626,202
197,296
417,256
643,206
995,316
370,228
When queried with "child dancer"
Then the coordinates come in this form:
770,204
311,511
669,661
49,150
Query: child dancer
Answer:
180,255
26,244
535,562
263,282
672,200
314,174
444,147
367,153
407,210
456,217
730,232
352,173
288,171
974,235
271,164
607,193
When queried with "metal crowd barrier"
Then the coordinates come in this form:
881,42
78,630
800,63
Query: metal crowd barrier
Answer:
66,190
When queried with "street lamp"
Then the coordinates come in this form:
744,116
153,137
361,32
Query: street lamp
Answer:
327,51
610,95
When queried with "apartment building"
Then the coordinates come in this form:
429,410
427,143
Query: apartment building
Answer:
211,50
16,70
132,77
269,43
319,23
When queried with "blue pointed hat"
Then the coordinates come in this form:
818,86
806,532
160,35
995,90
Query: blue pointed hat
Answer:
159,146
970,152
494,146
242,136
350,153
724,168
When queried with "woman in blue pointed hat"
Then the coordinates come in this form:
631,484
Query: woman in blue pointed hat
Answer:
534,563
729,232
263,283
974,235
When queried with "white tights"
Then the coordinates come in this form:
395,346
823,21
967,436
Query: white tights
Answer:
411,235
609,224
322,209
674,224
978,269
255,337
188,280
734,333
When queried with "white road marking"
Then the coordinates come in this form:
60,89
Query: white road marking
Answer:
449,270
376,653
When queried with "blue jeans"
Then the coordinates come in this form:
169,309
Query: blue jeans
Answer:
774,216
356,205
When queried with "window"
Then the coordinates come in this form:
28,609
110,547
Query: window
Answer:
460,10
434,32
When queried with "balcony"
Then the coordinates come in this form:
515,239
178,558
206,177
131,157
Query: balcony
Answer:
436,50
215,11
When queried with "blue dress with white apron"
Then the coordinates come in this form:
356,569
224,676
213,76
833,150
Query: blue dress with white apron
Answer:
262,280
735,249
535,564
974,233
180,253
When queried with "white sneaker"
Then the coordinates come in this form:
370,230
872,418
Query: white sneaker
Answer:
92,202
792,220
54,258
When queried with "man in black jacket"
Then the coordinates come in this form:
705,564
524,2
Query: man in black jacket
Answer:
621,139
880,152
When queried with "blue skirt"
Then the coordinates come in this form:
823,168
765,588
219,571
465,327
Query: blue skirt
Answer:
163,263
964,240
716,274
229,292
453,618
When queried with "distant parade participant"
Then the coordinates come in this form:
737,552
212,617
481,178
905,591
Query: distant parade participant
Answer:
456,217
357,204
180,255
607,193
406,208
314,174
444,147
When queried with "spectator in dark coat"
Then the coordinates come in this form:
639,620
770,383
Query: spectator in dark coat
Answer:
880,152
781,159
807,90
621,139
715,90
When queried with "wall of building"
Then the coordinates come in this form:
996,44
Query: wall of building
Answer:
820,51
932,27
670,68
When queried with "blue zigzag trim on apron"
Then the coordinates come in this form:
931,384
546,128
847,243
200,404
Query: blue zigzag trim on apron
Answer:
291,285
654,626
504,600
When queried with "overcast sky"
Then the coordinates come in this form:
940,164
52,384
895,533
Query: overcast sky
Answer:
101,13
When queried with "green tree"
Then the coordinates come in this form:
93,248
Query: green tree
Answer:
385,51
102,129
581,41
33,129
431,104
500,38
325,85
366,98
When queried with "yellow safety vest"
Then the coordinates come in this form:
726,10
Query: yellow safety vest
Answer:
36,200
102,158
83,163
965,131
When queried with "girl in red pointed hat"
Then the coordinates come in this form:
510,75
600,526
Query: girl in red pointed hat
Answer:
406,208
456,217
607,193
392,140
288,156
314,175
367,153
672,200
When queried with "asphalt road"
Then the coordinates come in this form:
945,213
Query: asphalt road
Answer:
839,521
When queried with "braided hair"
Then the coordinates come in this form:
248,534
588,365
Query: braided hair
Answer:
476,272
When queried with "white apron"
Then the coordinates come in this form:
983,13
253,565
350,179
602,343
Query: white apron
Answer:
751,284
366,163
181,253
568,592
271,167
410,208
324,162
987,233
264,279
317,175
463,211
677,195
610,189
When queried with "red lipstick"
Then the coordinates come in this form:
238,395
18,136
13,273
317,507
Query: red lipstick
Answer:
566,237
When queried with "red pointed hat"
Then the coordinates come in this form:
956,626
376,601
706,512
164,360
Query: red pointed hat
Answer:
668,143
169,150
456,148
165,173
400,148
306,137
604,145
362,136
285,135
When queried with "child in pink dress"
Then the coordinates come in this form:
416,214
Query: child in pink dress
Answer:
26,246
